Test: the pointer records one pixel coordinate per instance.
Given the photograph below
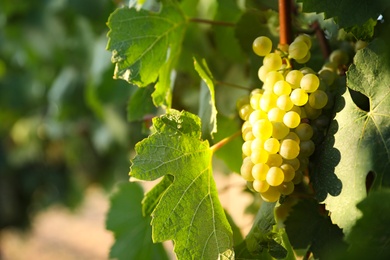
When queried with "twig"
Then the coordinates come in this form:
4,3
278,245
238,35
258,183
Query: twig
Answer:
224,141
285,22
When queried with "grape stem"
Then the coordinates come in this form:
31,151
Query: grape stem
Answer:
212,22
324,45
224,141
285,22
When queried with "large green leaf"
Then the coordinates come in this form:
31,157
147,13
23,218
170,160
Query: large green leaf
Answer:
189,211
361,142
145,46
132,231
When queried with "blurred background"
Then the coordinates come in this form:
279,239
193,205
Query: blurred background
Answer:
64,137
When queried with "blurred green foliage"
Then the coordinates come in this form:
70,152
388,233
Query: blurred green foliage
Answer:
62,116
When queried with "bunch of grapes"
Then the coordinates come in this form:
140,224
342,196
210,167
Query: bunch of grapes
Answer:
277,132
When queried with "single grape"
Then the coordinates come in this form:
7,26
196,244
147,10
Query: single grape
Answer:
275,176
245,111
312,113
259,171
360,45
268,101
289,149
339,57
294,78
295,163
298,177
284,103
292,136
272,61
299,97
291,119
309,83
259,156
246,148
272,145
260,186
306,70
256,115
289,171
274,160
318,99
279,130
257,144
255,100
305,38
262,129
286,188
271,195
282,87
271,78
247,134
246,169
298,50
262,73
262,45
276,114
328,76
304,131
307,148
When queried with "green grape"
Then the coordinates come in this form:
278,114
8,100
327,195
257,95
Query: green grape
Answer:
272,61
298,177
298,50
289,149
245,111
256,115
311,112
294,78
309,83
255,100
262,73
271,195
257,144
282,87
304,162
271,78
262,45
304,38
259,156
284,103
299,97
288,170
246,169
322,122
297,109
360,45
318,99
304,131
260,186
268,101
246,148
304,59
259,171
286,188
291,119
247,134
271,145
276,114
274,160
262,129
295,163
293,136
330,66
279,130
306,148
275,176
339,57
328,76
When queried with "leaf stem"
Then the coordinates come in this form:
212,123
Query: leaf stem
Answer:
212,22
224,141
285,22
217,82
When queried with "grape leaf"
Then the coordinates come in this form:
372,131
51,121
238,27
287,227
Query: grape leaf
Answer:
145,46
132,231
369,238
189,211
207,110
347,13
307,228
362,138
140,104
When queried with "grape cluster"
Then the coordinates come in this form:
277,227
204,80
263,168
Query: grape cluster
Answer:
276,132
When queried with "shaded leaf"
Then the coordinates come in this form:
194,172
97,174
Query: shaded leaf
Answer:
207,110
140,104
189,211
132,231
